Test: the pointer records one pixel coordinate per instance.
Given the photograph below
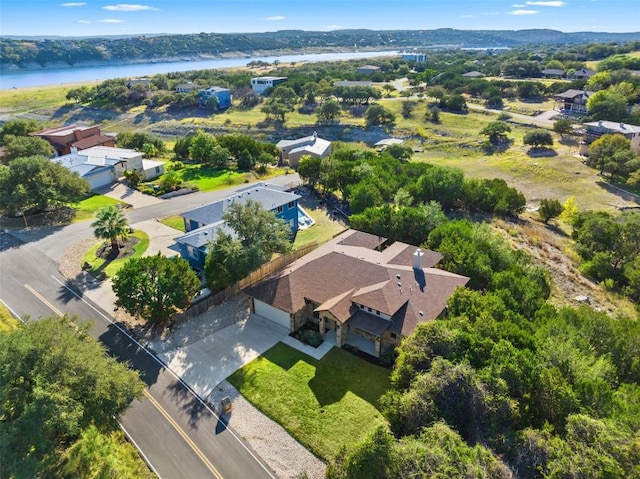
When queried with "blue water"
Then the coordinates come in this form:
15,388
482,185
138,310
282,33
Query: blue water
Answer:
31,78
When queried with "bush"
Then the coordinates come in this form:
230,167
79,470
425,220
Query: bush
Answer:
175,166
310,337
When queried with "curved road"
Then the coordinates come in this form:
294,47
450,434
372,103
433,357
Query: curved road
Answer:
179,436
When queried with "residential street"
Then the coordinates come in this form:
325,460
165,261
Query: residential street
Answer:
179,436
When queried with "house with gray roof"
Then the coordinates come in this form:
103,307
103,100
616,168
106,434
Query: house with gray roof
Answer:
359,291
572,101
202,224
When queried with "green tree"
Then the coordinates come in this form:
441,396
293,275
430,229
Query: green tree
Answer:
111,224
170,181
364,195
538,139
611,153
329,111
155,288
202,144
399,151
258,235
607,105
56,383
310,170
563,127
137,140
37,183
18,127
150,150
182,146
496,131
440,183
549,209
24,146
377,115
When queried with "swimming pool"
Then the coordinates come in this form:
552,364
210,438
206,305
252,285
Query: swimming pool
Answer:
304,220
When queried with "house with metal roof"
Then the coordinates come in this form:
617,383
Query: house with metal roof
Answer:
359,291
202,224
222,97
572,101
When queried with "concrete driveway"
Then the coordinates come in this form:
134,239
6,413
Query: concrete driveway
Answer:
206,363
161,237
132,197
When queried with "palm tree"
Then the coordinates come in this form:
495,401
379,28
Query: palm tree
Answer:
110,224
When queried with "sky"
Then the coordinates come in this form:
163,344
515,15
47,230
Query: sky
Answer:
92,18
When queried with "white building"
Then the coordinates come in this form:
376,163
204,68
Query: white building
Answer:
292,150
103,165
260,84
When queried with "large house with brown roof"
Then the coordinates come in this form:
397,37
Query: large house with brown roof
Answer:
572,101
64,138
358,291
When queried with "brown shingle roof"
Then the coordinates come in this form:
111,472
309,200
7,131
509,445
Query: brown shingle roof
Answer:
360,238
336,276
92,141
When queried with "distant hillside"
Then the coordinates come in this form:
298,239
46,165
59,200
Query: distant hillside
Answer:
37,52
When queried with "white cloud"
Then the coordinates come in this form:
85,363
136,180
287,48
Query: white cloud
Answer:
333,27
85,22
547,4
72,4
111,20
275,18
467,16
517,5
128,7
523,12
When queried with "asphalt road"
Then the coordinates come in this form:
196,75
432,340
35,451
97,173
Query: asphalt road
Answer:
179,436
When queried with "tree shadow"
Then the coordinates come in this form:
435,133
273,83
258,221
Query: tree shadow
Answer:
542,152
568,141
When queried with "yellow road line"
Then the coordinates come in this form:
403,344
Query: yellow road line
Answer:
44,300
187,439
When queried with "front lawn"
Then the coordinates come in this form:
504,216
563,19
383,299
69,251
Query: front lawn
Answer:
109,266
86,209
206,178
323,404
175,222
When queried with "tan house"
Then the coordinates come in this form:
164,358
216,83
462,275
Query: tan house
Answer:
358,291
292,150
64,138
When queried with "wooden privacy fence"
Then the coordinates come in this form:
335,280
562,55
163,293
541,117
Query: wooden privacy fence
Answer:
267,269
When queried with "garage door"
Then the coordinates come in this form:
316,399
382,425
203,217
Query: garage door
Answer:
274,314
102,178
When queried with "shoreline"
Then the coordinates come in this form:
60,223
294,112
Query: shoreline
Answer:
36,67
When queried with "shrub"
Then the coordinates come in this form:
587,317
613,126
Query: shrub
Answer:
310,337
176,165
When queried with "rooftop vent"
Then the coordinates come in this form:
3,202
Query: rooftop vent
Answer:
421,313
399,284
398,276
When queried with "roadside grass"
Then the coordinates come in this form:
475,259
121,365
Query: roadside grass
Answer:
7,321
111,267
323,404
86,209
175,222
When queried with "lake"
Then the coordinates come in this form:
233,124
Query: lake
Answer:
31,78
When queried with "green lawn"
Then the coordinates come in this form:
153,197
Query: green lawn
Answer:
111,267
324,229
86,209
175,222
323,404
207,178
22,100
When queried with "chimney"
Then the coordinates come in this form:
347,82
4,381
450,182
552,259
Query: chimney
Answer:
74,150
417,259
622,126
599,122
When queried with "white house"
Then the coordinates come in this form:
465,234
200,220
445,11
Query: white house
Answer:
260,84
103,165
595,129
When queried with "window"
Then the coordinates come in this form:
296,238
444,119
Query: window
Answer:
369,309
394,335
279,209
378,313
158,169
191,251
290,204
